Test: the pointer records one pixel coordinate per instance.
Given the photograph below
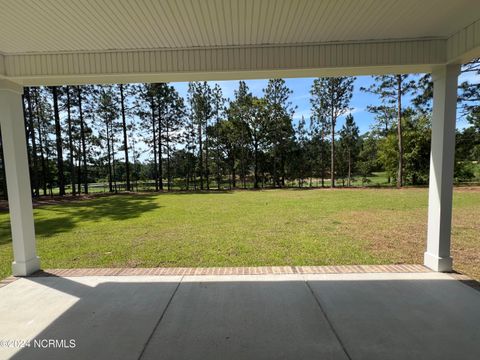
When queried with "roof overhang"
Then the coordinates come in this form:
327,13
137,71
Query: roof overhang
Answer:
242,61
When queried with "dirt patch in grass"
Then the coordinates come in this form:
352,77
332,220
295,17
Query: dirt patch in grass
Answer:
391,236
466,241
400,236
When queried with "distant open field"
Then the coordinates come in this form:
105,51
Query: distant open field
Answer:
247,228
376,179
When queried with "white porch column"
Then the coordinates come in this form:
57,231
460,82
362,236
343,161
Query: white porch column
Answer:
18,179
442,157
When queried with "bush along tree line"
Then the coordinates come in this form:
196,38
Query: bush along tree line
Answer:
147,137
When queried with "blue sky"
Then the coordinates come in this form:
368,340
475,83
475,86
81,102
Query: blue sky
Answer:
301,95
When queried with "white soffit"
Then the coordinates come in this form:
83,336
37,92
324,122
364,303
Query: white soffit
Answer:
66,40
86,25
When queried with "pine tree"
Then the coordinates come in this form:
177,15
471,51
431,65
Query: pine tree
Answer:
58,137
349,135
332,98
302,144
238,114
125,137
320,124
41,109
34,156
174,119
391,89
70,140
107,111
281,131
200,100
257,124
145,110
84,172
218,109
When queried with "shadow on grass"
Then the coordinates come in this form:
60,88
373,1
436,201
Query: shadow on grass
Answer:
72,215
67,214
111,207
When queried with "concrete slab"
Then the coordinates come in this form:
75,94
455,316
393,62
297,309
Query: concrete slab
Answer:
289,316
402,316
109,317
253,319
27,308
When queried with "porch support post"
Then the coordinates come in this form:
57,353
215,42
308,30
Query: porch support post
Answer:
18,179
442,157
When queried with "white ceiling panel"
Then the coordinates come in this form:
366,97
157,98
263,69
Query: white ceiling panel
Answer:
89,25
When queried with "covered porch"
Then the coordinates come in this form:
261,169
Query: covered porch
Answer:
370,315
350,312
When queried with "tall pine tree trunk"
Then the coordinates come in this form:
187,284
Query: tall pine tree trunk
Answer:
194,167
349,168
167,146
332,159
154,135
112,144
255,146
79,168
400,133
125,138
160,151
274,177
27,137
47,162
109,159
58,138
35,183
82,135
322,159
332,147
200,143
40,144
217,156
70,143
207,165
234,175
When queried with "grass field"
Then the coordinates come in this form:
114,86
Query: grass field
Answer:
247,228
375,180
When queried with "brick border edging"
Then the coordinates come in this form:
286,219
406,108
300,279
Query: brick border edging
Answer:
263,270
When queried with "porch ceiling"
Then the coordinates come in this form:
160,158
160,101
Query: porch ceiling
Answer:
46,41
50,25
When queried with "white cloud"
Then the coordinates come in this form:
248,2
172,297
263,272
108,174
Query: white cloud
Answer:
354,110
298,114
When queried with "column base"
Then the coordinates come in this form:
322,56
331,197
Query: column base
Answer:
437,263
24,268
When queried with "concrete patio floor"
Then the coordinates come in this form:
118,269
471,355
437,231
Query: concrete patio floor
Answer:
422,315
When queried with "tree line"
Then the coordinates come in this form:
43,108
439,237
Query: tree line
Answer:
126,135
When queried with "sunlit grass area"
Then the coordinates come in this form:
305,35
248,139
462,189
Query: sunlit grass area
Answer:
247,228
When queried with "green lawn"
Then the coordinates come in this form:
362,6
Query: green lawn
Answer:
247,228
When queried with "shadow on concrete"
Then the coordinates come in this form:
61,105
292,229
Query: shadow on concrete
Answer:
288,319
